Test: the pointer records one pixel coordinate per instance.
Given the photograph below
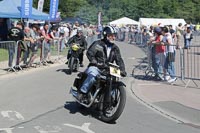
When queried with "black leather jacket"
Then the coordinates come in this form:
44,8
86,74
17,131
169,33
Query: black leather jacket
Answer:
80,40
97,54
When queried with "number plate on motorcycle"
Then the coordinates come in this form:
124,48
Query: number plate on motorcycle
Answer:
115,71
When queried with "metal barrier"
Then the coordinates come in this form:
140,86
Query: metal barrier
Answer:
15,56
187,64
8,55
53,51
58,50
191,62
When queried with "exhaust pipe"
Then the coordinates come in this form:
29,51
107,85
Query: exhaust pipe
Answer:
74,92
75,95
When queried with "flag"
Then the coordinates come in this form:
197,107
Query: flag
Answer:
40,5
100,28
26,8
99,18
53,9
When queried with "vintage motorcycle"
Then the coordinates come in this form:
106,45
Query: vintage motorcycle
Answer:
107,96
73,63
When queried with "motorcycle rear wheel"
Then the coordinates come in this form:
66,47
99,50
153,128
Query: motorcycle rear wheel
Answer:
118,100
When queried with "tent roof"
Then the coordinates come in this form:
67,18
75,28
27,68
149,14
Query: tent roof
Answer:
124,21
8,9
165,21
11,9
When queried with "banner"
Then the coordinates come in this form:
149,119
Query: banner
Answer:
40,5
99,18
26,8
53,9
100,28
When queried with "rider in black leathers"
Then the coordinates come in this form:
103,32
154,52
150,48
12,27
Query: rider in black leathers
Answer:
99,54
79,39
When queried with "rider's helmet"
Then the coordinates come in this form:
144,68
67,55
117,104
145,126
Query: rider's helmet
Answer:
79,30
109,30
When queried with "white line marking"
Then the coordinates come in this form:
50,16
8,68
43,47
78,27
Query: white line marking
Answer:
20,127
8,130
84,127
7,114
149,84
48,129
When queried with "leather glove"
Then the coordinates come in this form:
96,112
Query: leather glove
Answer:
123,73
102,66
93,63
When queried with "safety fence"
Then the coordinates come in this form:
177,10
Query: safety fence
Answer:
14,56
8,48
141,38
186,64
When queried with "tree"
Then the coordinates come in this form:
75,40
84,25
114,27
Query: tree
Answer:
135,9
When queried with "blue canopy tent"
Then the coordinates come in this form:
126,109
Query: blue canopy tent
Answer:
9,9
12,9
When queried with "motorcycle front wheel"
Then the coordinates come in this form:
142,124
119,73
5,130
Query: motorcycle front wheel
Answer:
71,64
111,112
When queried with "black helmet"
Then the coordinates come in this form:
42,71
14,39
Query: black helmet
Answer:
109,30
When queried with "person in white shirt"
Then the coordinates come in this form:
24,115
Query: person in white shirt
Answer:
170,55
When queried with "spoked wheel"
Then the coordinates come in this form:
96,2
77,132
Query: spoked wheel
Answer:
112,112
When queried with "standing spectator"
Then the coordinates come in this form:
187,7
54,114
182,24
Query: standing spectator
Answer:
74,30
188,36
123,33
47,39
158,63
64,33
34,43
179,32
170,56
27,41
90,33
172,32
54,35
85,30
15,34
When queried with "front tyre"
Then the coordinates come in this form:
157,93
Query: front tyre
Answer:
71,64
118,100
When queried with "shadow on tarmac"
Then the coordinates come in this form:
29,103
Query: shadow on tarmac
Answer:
75,107
66,71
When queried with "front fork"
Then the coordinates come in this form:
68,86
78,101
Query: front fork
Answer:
108,93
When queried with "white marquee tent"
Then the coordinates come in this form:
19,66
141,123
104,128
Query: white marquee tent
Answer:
124,21
164,21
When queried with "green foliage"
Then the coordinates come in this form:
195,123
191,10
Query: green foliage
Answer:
4,54
135,9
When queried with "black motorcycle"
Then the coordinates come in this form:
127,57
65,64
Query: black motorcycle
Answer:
107,96
73,63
